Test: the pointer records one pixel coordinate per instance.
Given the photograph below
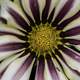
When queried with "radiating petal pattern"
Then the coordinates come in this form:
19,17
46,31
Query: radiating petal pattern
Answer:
39,39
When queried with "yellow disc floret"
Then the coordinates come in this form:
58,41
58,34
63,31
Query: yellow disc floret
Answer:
43,38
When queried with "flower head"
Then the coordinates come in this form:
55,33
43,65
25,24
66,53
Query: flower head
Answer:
39,40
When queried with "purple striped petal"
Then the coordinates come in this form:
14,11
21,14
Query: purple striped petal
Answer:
61,66
74,48
35,10
3,20
71,32
29,18
28,50
46,11
23,68
24,32
70,53
67,21
2,33
33,71
3,71
12,46
62,58
52,68
71,41
68,5
51,16
40,69
19,20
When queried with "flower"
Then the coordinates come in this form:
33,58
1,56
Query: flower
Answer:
39,40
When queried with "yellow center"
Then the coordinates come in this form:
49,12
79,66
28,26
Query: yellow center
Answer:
43,38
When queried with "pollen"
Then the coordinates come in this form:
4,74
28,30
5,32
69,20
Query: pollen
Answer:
43,38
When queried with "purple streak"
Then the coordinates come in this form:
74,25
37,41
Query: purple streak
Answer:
2,33
29,18
71,41
71,32
23,67
52,68
35,10
65,9
63,24
11,46
19,20
46,11
40,69
70,53
51,16
63,59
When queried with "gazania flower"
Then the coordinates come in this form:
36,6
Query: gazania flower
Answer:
39,40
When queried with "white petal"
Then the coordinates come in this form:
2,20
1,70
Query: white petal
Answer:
59,6
26,7
9,28
47,75
27,73
8,60
53,5
4,55
41,6
75,8
70,74
71,62
5,14
61,75
73,24
13,68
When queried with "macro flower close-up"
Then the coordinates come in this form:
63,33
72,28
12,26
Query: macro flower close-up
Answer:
40,40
